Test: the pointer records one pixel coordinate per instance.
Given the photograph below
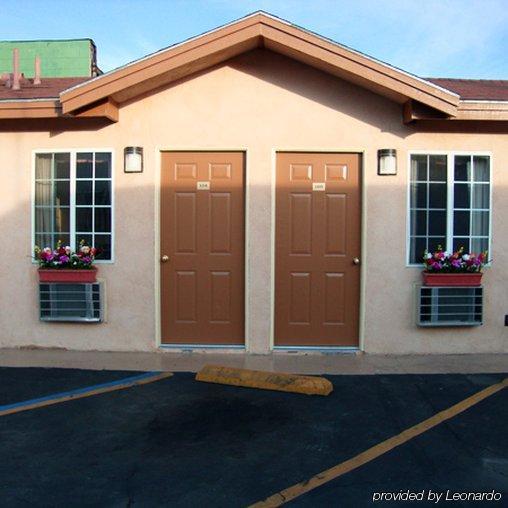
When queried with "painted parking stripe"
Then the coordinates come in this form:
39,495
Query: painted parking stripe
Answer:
376,451
79,393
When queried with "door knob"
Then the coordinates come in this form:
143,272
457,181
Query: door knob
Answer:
356,261
165,258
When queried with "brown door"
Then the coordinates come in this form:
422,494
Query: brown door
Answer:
317,279
202,247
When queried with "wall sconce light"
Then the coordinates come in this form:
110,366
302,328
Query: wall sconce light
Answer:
133,159
387,161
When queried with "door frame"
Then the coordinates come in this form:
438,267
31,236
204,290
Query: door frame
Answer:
363,241
157,250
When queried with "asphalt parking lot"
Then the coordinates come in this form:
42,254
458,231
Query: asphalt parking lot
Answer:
177,442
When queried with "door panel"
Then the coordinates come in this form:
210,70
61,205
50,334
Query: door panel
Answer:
317,284
202,234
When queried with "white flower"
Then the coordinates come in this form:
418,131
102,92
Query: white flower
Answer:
428,255
465,257
47,250
446,254
67,250
85,249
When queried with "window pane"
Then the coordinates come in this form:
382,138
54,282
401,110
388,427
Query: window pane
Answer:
43,240
461,242
102,192
62,193
461,223
479,245
480,224
103,243
62,223
63,165
84,165
102,165
419,222
84,193
437,168
64,239
462,195
437,223
416,250
419,168
84,219
88,239
481,197
43,163
419,195
435,242
43,219
481,168
463,168
43,192
103,219
437,195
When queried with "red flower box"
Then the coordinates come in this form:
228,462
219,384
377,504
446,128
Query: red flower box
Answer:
452,279
67,275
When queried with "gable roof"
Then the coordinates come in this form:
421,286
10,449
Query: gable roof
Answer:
430,98
254,31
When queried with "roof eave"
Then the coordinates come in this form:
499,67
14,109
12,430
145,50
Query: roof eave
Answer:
254,31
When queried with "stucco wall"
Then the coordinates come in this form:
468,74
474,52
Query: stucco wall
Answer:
259,102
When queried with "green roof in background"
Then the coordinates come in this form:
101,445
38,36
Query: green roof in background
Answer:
59,58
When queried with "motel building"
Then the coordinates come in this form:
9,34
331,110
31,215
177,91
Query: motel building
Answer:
258,188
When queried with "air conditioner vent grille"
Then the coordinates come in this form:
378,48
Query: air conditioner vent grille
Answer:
449,306
80,302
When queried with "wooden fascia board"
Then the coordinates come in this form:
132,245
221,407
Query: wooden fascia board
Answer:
467,110
483,110
30,109
103,109
362,67
270,29
147,69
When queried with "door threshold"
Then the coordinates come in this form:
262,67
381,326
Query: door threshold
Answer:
191,347
319,349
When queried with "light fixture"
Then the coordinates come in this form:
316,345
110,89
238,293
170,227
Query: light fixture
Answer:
133,159
387,161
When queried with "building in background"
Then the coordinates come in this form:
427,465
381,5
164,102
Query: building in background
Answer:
59,58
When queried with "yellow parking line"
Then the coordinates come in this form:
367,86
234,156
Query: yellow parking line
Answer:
301,488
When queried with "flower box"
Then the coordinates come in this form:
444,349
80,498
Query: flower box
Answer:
452,279
67,275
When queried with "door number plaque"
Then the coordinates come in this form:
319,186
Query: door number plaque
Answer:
203,185
318,186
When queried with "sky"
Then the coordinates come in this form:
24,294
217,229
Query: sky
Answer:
429,38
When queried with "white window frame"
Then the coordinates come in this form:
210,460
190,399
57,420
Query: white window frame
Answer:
72,202
450,180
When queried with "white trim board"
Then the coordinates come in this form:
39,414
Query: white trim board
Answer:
73,152
451,154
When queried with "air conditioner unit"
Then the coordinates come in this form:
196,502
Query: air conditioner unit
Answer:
81,302
449,306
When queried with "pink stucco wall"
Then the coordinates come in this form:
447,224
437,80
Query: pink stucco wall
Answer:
259,102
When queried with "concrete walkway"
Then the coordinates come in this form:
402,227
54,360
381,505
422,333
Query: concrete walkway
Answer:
303,363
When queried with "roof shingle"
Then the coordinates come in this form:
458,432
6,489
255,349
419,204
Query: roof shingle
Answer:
48,89
475,89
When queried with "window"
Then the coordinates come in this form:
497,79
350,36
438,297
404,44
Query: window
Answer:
449,203
74,200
